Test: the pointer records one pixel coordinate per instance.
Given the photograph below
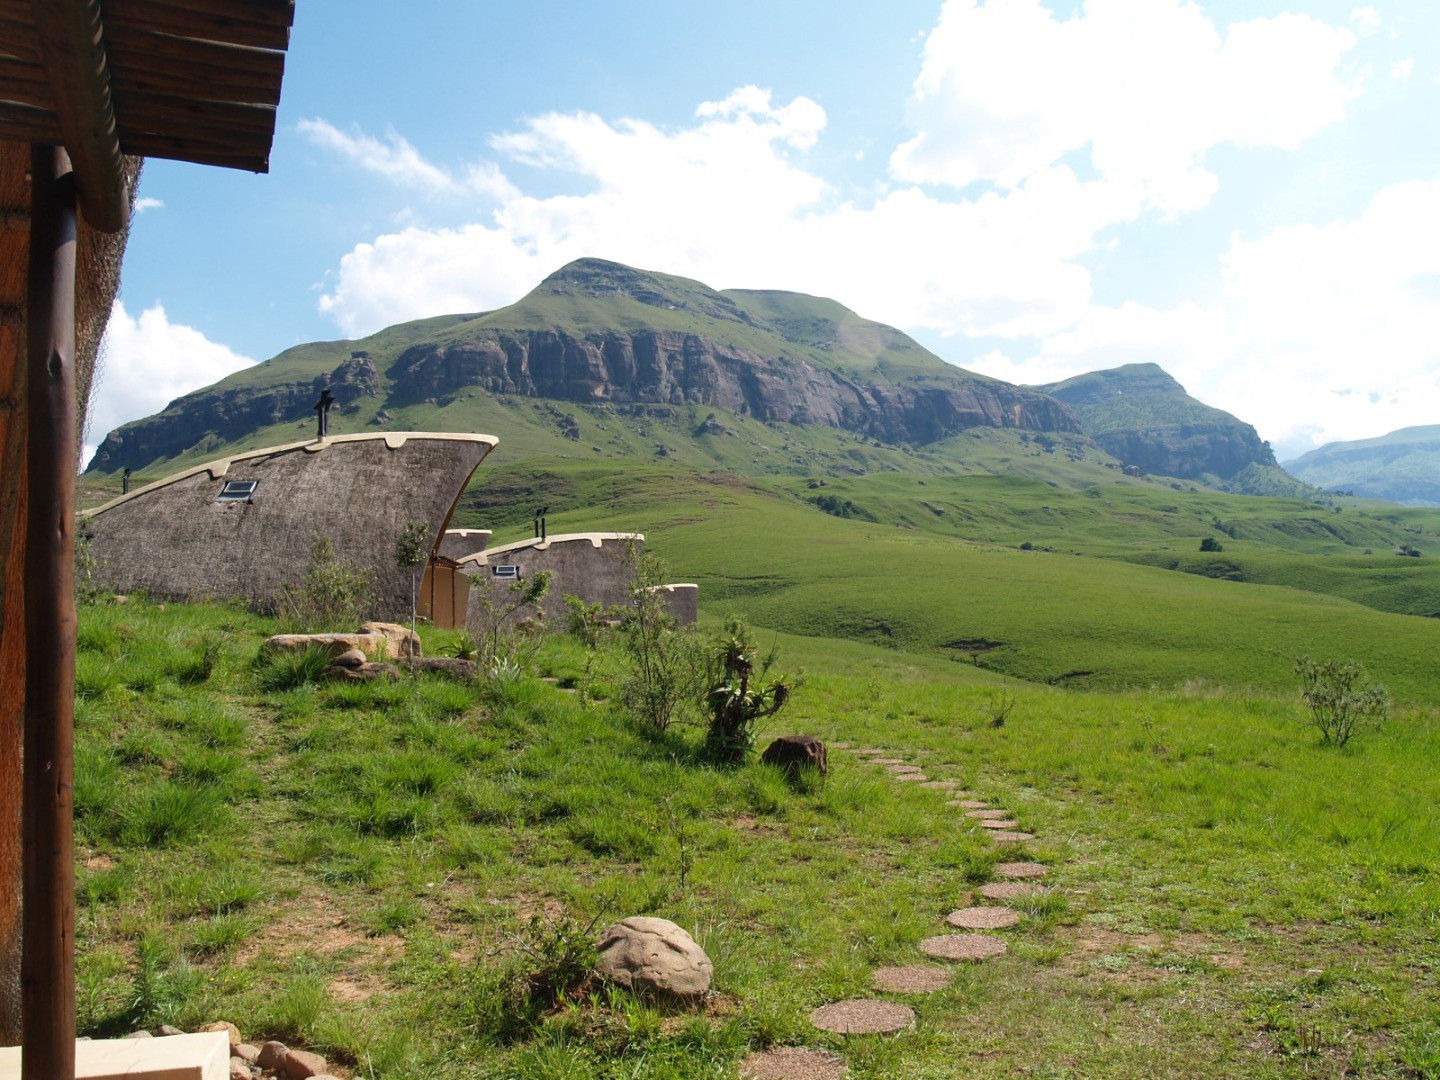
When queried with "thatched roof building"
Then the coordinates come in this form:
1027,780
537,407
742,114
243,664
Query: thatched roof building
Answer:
245,526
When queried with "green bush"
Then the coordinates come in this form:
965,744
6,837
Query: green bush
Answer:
332,594
740,694
1341,701
665,675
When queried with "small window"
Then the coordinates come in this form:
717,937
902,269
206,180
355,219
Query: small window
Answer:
512,572
237,491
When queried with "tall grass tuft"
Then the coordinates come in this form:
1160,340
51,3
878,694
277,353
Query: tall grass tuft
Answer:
167,812
280,671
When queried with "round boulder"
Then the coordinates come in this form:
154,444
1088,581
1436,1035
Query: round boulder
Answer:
649,954
792,752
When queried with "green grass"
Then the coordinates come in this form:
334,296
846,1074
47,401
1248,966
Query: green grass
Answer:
391,866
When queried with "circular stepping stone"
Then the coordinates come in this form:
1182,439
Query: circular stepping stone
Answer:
793,1063
900,769
943,785
963,947
839,746
970,804
915,979
863,1017
987,815
912,777
1020,869
1007,837
1009,890
983,918
1004,825
887,761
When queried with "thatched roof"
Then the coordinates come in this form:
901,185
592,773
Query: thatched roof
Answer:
176,538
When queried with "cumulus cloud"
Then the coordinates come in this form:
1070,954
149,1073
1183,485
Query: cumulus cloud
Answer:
146,203
394,158
1007,90
146,361
1331,331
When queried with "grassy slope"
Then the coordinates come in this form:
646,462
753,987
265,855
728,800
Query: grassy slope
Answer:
1060,617
352,869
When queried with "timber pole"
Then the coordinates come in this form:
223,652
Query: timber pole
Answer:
47,971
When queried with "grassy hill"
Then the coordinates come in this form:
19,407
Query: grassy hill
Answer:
1402,467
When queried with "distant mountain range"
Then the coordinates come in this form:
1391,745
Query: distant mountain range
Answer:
1403,467
636,348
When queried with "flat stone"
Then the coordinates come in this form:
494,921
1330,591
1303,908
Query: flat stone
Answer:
898,769
982,918
168,1029
869,750
1020,869
1009,890
863,1017
914,979
973,947
998,824
1007,837
247,1052
986,815
970,804
240,1069
887,761
302,1065
793,1063
351,658
912,777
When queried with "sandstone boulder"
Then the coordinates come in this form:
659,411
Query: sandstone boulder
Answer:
791,752
655,955
400,641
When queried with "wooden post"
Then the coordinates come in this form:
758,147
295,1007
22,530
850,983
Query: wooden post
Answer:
48,964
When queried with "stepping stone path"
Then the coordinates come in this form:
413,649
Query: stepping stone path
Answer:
867,1017
983,918
793,1063
872,1017
1019,869
963,947
1009,890
914,979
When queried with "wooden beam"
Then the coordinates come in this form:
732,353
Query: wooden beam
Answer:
263,26
71,41
48,963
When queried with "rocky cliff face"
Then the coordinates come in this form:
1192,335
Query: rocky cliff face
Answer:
675,368
1141,415
1189,450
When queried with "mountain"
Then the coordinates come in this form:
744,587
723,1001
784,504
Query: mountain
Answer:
597,333
1403,466
1142,416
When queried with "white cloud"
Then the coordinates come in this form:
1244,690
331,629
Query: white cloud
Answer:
1401,70
145,363
146,203
1366,20
1320,332
1148,86
399,162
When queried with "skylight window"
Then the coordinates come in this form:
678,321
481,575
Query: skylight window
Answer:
237,491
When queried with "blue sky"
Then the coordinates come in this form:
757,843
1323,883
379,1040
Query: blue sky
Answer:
1246,193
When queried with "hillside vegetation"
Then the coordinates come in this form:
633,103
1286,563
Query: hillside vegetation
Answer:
1403,467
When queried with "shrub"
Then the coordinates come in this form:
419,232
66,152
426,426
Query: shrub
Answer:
1211,544
666,671
1340,699
332,594
740,695
500,644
